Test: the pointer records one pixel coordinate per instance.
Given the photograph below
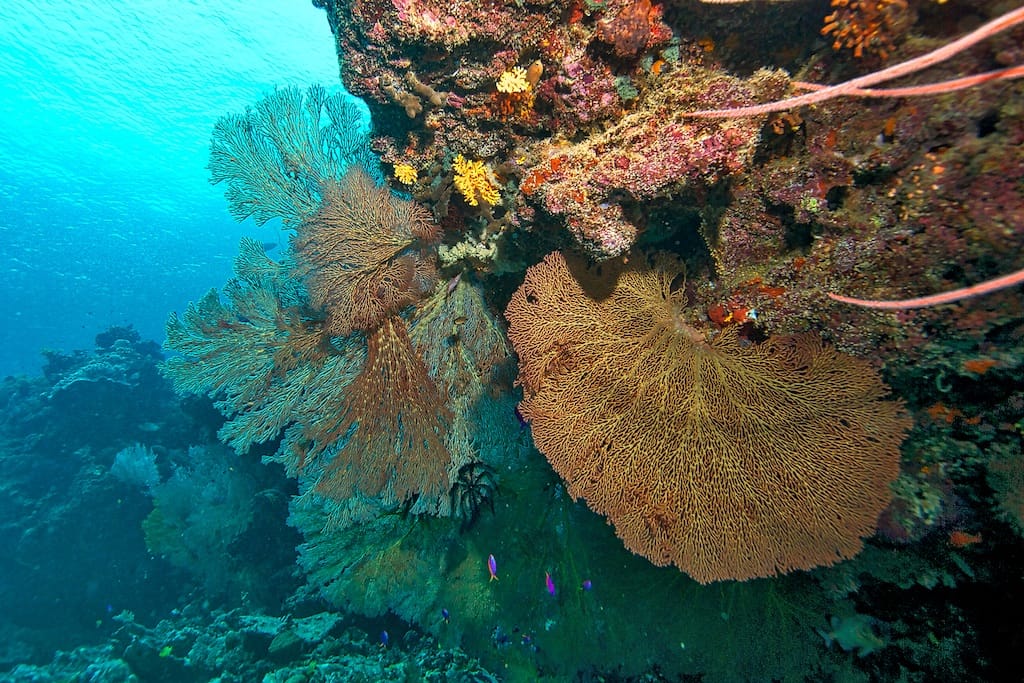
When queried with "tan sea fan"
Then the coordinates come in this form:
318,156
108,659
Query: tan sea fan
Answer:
392,426
363,254
728,459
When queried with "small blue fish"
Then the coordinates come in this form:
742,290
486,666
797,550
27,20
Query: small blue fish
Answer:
499,637
384,639
549,583
587,585
445,615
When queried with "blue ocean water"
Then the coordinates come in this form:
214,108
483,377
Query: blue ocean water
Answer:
106,110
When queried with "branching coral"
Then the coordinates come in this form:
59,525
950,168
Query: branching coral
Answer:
392,425
254,351
356,417
461,341
364,256
470,362
727,459
355,421
412,102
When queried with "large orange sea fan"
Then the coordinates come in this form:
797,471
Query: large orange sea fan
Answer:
728,459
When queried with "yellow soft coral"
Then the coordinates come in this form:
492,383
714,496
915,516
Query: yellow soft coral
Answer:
406,174
515,90
474,181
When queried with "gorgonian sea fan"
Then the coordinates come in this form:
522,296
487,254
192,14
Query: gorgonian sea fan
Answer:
363,255
729,460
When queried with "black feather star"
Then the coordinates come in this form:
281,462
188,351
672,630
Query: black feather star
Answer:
474,488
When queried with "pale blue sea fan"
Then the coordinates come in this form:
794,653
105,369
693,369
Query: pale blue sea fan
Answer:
279,155
136,465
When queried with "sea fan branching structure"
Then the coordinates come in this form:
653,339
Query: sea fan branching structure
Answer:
279,155
315,347
729,459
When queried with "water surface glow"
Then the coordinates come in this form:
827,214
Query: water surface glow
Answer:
106,110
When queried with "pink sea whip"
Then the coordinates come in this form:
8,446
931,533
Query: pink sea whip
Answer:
986,287
939,88
911,66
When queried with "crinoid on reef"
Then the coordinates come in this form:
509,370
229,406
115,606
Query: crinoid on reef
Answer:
473,490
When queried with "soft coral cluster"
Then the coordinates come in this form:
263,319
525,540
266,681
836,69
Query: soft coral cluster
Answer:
366,256
315,346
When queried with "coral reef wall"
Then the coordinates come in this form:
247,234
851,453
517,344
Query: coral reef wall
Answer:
620,178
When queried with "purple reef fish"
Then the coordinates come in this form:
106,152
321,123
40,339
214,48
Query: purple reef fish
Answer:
519,416
452,284
492,567
549,583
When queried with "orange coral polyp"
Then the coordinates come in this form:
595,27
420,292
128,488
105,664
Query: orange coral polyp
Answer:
509,105
865,25
731,461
